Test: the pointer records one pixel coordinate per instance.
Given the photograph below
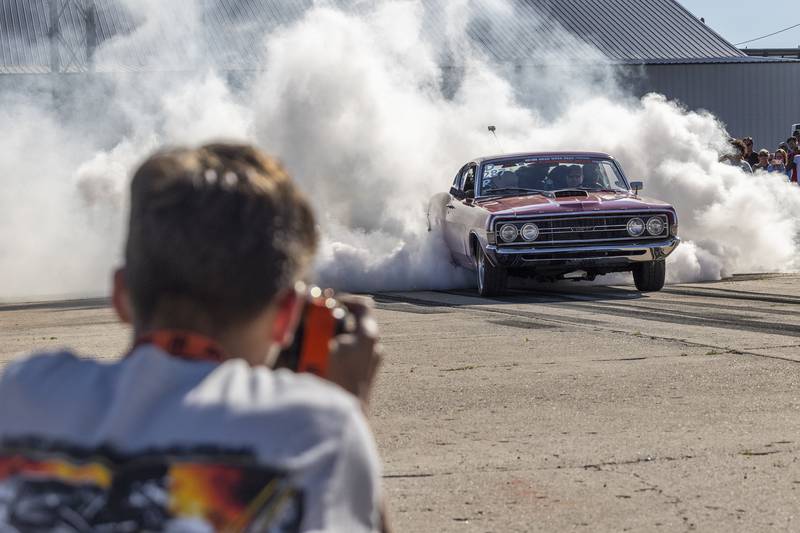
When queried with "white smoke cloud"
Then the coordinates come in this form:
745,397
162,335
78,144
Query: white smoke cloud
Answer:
41,210
389,135
354,102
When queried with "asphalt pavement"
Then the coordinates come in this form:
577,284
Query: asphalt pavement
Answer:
569,407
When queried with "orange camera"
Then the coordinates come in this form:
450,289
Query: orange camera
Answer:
321,319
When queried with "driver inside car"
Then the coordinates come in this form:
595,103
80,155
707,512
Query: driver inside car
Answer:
574,176
591,176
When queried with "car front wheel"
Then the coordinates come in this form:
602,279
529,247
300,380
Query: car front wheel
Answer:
649,276
491,279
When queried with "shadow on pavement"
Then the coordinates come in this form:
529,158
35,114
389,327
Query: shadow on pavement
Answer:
62,305
532,293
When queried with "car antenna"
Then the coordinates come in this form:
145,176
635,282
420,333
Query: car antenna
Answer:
493,131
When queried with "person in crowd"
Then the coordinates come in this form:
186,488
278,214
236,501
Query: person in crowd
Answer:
735,155
763,160
778,162
574,176
192,430
749,156
793,158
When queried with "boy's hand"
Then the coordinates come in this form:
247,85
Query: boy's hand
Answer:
356,354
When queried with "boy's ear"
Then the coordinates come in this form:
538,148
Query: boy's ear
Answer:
287,314
120,297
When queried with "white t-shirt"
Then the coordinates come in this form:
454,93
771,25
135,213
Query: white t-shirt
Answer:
155,442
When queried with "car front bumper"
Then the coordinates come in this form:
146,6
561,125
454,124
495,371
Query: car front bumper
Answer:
604,256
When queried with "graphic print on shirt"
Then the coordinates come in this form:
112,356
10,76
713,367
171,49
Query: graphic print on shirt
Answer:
47,487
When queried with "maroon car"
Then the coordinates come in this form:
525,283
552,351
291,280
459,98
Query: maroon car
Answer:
553,216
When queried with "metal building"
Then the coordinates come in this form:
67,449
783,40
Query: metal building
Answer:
659,46
654,46
758,98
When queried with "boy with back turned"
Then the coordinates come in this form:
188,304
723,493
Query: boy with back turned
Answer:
191,430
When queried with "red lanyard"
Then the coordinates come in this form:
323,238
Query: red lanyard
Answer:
184,344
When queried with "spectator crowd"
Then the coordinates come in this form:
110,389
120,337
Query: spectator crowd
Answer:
783,160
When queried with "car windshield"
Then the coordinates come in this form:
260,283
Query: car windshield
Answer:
541,174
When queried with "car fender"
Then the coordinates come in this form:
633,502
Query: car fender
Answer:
482,241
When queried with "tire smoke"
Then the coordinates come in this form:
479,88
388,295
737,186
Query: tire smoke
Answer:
363,107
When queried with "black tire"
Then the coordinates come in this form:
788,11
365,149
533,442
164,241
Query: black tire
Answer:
649,276
491,279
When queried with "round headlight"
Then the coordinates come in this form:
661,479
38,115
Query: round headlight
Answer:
530,232
655,226
509,232
635,227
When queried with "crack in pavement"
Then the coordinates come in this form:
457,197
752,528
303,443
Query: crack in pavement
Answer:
620,359
669,498
776,346
722,350
730,294
732,308
405,476
648,459
599,467
716,320
654,459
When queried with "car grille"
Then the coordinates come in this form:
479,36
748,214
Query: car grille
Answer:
594,230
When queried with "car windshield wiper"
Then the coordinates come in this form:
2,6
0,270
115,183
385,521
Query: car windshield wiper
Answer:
494,192
594,189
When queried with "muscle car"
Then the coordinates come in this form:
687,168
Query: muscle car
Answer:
552,216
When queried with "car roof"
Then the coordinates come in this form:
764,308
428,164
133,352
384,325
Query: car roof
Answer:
599,155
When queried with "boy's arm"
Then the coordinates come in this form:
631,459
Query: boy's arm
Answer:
356,355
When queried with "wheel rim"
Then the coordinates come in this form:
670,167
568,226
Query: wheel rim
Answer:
481,271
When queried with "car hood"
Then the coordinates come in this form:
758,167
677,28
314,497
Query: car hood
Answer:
597,201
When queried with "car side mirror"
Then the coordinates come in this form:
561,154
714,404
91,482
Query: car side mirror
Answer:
456,193
637,186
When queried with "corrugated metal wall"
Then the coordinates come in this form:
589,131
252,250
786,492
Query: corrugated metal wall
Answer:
230,32
760,100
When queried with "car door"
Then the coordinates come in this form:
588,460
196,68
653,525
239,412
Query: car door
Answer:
458,212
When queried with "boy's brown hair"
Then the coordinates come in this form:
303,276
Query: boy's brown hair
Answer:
217,232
